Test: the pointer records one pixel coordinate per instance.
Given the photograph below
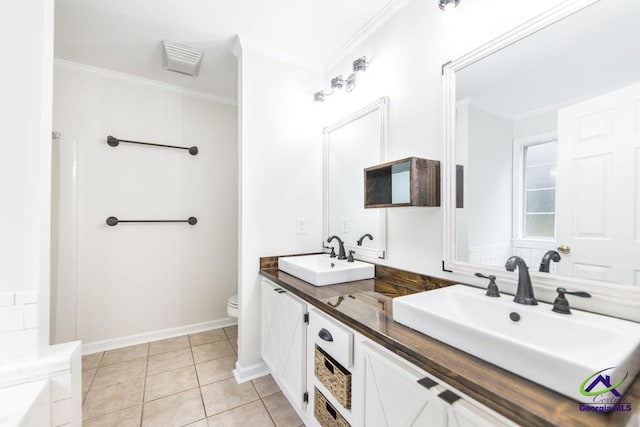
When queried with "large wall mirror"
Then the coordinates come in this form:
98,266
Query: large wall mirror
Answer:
546,121
350,145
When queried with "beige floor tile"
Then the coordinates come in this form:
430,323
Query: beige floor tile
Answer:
106,400
202,423
266,386
216,370
171,382
125,353
87,378
234,344
129,417
253,414
169,361
91,361
281,411
214,350
119,373
231,331
175,410
170,344
224,395
207,337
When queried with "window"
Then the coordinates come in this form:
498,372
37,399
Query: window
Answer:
538,196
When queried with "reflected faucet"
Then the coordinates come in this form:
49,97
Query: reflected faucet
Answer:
341,253
546,260
524,294
362,238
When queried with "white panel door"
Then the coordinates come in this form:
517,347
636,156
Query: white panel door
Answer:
597,203
291,357
270,305
393,398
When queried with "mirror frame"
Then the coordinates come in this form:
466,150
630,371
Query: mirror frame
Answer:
381,106
620,300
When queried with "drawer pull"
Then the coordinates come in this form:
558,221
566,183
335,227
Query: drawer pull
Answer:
448,396
325,335
427,382
331,411
328,365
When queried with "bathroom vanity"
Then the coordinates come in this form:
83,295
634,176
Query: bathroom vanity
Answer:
339,356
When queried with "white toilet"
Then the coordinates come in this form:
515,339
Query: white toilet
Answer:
232,307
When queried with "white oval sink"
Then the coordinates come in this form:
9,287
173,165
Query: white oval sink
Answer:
320,270
578,355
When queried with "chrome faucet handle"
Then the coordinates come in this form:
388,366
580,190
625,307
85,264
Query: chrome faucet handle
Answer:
561,305
350,257
333,252
492,288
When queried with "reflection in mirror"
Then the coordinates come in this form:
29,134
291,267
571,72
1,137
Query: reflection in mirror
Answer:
548,130
351,145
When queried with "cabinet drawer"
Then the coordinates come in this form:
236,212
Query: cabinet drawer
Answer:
332,337
325,413
333,376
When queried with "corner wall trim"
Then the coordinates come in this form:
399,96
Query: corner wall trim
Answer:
97,346
244,374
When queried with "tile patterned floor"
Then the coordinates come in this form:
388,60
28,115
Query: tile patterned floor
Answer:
182,381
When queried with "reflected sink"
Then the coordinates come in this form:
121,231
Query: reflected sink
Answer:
570,354
320,270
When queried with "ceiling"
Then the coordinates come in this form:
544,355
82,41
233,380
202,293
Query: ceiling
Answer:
589,53
125,35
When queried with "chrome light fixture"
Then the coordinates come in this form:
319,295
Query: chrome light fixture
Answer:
359,65
448,4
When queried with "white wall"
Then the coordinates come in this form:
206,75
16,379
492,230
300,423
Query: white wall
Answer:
490,178
25,120
280,178
406,54
535,124
141,278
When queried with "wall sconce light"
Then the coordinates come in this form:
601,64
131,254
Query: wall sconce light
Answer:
359,65
448,4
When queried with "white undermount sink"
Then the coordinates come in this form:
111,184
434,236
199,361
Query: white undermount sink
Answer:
565,353
321,270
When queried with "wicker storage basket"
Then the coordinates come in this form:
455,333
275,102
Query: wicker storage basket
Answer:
326,414
334,377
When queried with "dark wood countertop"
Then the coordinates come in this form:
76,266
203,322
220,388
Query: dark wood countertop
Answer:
366,306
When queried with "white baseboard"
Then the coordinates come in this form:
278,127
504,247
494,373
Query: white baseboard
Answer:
244,374
97,346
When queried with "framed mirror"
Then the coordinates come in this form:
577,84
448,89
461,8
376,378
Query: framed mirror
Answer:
351,145
546,122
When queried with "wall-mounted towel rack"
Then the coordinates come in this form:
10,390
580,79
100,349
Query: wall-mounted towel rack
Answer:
112,220
114,142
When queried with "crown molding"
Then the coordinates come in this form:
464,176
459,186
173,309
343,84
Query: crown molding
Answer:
389,11
141,81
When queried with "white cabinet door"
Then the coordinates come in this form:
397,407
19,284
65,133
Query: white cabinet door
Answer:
393,397
283,340
270,302
291,360
464,414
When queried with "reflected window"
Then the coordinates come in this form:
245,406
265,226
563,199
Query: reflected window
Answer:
538,190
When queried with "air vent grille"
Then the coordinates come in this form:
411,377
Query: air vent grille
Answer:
181,59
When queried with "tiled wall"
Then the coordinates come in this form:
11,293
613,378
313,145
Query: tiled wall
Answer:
18,325
59,366
496,255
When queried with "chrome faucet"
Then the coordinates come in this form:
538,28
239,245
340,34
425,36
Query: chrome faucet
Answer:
341,253
524,294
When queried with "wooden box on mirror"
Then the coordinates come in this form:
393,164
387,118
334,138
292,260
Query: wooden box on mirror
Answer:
407,182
